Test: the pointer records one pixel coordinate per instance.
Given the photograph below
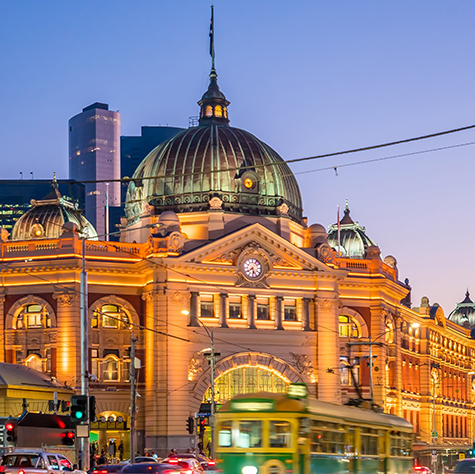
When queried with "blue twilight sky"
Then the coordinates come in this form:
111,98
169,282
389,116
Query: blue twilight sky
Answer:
308,78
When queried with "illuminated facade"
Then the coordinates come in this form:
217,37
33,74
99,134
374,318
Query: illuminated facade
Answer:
214,238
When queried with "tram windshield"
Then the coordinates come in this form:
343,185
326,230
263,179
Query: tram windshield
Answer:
250,434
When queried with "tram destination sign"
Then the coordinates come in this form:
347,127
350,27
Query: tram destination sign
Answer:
253,404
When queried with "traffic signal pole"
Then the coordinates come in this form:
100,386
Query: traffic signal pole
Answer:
132,398
84,354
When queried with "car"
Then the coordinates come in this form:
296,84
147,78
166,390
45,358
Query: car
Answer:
39,462
186,465
465,466
421,470
151,468
106,469
206,463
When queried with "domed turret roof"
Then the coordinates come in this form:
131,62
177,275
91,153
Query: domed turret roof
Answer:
46,218
210,161
464,313
353,239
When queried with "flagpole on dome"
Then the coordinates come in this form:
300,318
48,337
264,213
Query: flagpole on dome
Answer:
211,40
338,227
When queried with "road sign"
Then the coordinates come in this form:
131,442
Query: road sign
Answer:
461,456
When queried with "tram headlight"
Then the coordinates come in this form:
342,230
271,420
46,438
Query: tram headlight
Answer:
249,470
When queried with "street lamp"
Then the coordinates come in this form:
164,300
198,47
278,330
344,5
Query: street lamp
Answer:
212,358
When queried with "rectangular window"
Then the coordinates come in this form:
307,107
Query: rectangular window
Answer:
34,320
235,307
290,310
280,434
110,322
250,434
206,306
262,309
225,434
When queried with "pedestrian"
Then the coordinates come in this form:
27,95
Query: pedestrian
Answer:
154,455
121,450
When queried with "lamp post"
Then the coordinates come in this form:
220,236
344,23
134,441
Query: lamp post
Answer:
212,359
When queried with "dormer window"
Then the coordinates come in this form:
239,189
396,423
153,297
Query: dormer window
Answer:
218,111
225,110
209,111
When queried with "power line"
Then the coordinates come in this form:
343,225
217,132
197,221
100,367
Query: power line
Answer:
294,160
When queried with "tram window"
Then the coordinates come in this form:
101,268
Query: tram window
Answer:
280,434
369,441
224,435
250,434
328,437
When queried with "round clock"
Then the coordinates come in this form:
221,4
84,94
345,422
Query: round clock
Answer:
252,268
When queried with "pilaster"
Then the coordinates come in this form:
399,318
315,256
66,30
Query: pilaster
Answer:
329,387
2,328
193,316
222,310
306,314
68,321
278,312
251,311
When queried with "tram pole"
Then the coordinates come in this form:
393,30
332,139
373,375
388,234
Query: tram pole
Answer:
133,396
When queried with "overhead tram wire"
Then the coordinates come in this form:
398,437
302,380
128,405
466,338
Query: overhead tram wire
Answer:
294,160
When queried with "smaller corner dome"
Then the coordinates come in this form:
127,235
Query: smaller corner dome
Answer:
168,217
46,218
353,239
316,229
464,313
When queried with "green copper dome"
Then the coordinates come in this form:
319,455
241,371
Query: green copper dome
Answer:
210,161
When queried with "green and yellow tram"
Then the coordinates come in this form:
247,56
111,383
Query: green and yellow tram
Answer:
270,433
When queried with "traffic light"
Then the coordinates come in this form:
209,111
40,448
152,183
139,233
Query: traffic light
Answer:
92,408
65,405
190,424
78,407
67,438
10,433
202,424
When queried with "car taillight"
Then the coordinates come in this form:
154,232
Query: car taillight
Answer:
173,461
21,471
211,463
187,471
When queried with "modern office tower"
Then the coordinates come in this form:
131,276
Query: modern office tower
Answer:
16,194
134,149
94,155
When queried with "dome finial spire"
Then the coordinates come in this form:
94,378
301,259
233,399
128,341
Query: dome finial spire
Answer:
214,106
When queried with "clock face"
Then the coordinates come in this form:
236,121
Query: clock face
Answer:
252,268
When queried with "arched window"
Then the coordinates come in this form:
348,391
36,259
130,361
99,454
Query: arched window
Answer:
110,368
209,111
246,379
34,362
110,316
225,110
218,111
389,332
347,327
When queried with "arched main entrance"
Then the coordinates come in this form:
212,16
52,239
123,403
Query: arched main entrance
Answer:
246,379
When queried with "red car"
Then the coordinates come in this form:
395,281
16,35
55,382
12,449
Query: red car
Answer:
186,465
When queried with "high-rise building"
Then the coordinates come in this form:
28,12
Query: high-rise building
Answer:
94,155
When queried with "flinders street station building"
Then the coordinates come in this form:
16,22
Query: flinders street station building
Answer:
214,245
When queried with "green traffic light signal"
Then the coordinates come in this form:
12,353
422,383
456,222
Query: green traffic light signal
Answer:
79,407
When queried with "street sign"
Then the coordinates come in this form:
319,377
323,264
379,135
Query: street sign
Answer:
461,456
434,435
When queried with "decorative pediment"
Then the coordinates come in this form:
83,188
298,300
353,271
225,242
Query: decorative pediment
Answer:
280,253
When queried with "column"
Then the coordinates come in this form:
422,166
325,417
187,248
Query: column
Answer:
251,311
278,312
398,370
68,347
329,385
222,310
193,316
377,331
2,328
306,314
